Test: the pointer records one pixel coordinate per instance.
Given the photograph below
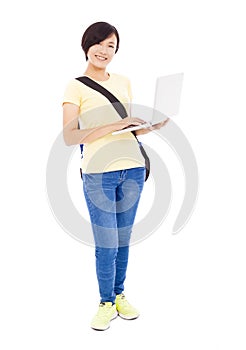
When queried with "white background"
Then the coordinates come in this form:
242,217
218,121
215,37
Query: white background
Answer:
190,288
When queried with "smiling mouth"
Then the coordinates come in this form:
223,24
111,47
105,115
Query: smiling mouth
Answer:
101,58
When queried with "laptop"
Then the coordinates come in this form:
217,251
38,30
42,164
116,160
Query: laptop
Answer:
166,103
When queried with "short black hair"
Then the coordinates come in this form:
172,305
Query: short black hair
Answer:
96,33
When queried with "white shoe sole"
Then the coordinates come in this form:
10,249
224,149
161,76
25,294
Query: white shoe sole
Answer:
125,317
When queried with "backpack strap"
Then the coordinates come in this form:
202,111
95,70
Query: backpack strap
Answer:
120,109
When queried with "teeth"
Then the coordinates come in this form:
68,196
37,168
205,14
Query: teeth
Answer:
101,58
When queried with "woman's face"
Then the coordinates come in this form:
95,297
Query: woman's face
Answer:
100,55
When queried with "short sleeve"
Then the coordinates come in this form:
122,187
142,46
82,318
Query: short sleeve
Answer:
72,93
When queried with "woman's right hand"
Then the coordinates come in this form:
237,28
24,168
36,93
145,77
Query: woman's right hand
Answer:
128,121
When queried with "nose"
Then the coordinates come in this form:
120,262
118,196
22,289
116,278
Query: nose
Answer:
102,49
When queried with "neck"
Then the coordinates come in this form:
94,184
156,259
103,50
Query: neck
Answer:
96,73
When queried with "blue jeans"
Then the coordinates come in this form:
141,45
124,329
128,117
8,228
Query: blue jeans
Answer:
112,199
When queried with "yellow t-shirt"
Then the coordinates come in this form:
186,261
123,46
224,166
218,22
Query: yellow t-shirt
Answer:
110,152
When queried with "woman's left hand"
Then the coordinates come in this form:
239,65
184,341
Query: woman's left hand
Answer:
151,128
159,125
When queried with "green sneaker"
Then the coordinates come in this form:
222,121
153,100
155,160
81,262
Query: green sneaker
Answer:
106,313
125,310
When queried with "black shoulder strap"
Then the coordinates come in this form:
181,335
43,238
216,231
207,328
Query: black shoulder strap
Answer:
115,102
119,108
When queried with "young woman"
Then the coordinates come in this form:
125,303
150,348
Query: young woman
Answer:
113,167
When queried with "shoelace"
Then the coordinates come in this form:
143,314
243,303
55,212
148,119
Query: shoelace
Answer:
101,311
126,304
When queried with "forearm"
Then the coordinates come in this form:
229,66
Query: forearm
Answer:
142,131
79,136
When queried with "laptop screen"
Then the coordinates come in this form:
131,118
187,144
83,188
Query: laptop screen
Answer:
167,94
